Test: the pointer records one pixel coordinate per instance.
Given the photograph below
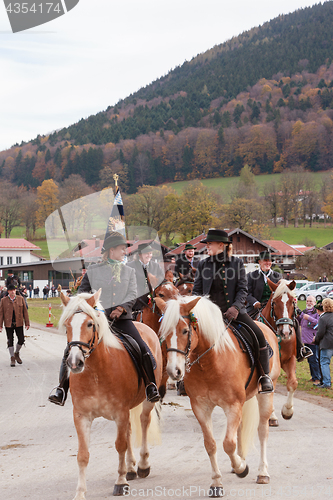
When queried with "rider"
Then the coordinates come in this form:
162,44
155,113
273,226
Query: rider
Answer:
259,294
222,276
186,263
118,296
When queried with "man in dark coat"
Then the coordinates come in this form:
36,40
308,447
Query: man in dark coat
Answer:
118,295
222,276
143,266
12,279
257,287
187,262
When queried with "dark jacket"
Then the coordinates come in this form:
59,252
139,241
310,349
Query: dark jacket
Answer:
7,306
13,280
183,265
324,337
114,293
235,284
255,286
152,268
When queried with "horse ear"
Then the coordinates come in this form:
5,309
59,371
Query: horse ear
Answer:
92,301
181,276
160,304
64,298
191,305
292,285
272,286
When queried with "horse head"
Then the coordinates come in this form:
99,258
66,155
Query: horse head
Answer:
185,284
282,307
166,291
177,331
81,323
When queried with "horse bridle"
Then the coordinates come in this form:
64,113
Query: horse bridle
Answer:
91,345
185,353
281,321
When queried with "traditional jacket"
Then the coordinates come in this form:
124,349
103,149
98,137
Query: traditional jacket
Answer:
324,335
233,279
183,265
116,291
256,284
141,281
7,306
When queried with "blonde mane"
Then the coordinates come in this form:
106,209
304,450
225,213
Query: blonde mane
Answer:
208,315
283,288
79,303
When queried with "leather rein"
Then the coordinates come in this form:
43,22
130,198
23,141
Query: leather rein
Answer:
91,345
280,321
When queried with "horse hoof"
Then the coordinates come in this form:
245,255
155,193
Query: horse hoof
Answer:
143,472
273,422
263,479
131,475
216,492
120,490
286,417
244,473
232,470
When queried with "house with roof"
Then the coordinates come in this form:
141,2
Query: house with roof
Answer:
285,255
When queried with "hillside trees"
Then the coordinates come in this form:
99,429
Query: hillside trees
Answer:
11,208
47,200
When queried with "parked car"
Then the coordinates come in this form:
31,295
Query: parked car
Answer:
310,289
301,283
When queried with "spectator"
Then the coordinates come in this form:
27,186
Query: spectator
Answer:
14,314
30,291
45,292
308,320
36,292
324,279
324,339
53,290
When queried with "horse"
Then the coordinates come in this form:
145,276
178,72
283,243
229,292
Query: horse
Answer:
185,284
151,315
104,383
216,372
279,315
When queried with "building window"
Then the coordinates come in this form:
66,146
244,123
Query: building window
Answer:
1,261
9,261
238,239
18,260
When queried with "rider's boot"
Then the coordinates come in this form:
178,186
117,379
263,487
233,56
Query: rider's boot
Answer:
265,380
61,391
302,351
152,393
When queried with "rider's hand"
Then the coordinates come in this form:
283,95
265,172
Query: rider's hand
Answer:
231,313
257,305
117,312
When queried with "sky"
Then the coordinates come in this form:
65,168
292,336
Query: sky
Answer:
104,50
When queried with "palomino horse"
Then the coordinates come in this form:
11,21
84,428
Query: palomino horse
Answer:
104,383
279,315
216,372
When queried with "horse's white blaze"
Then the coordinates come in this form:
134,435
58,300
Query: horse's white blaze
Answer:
75,354
185,286
284,300
175,368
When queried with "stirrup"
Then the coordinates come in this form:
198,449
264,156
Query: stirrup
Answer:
52,397
305,352
259,384
155,396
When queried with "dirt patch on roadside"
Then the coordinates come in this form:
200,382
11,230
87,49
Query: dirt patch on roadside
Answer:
310,398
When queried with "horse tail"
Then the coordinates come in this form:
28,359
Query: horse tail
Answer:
154,433
249,426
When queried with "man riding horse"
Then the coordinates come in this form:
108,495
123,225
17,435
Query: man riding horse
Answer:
222,276
259,294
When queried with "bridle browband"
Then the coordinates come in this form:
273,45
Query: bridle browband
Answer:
91,345
281,321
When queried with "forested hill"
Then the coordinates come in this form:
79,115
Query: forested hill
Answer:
264,98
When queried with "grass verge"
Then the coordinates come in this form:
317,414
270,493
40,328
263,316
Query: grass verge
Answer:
39,310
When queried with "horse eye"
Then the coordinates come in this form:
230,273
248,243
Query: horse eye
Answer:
161,295
185,331
90,324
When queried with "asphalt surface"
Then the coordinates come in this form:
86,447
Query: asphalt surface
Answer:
38,443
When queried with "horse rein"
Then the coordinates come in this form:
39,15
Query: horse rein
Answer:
280,321
91,345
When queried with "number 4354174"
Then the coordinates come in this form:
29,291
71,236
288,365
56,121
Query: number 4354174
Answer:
35,8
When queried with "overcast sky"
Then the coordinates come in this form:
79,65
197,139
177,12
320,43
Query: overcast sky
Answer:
104,50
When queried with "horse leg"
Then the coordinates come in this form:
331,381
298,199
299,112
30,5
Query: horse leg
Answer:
130,457
234,417
145,418
83,427
290,368
273,420
121,446
265,402
204,417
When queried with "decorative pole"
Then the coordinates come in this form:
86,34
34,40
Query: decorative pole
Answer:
116,177
49,323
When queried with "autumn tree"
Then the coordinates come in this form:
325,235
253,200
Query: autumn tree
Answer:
11,206
72,188
29,214
272,199
47,200
315,263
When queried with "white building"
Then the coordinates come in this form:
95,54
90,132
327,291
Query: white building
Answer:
17,251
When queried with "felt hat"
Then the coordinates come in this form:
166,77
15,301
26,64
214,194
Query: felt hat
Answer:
144,248
113,240
11,287
319,305
188,246
265,255
216,235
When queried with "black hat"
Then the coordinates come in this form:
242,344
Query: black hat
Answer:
144,248
113,240
10,271
188,246
11,287
216,235
319,305
265,255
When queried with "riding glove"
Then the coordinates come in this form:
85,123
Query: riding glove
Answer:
231,313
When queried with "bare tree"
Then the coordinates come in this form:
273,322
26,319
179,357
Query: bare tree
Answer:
11,206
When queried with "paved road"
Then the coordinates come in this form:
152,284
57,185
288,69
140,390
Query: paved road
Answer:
38,443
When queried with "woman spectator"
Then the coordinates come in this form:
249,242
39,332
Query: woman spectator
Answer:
308,320
324,339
